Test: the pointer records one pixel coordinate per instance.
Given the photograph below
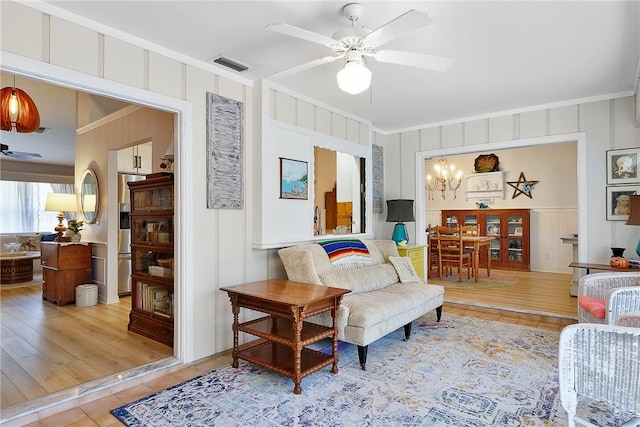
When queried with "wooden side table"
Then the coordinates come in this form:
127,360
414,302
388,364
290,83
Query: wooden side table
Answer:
604,267
64,266
416,253
285,331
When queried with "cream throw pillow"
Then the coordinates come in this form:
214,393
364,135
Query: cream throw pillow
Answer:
405,270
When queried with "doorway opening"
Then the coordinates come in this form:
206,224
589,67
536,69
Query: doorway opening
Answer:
74,80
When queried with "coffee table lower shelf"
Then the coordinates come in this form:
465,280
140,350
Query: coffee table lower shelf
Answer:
279,358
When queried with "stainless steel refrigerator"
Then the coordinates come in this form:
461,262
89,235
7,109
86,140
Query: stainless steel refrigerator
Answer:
124,233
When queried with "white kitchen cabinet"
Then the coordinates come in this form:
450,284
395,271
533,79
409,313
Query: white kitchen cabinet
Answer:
137,159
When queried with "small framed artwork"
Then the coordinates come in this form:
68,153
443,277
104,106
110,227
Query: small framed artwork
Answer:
622,166
619,202
293,179
517,231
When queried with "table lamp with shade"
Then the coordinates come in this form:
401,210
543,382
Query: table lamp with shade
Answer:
400,211
634,216
61,203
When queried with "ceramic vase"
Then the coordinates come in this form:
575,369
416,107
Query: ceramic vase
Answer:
617,252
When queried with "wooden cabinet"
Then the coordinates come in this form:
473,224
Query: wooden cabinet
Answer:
136,159
338,213
416,253
152,265
510,248
64,266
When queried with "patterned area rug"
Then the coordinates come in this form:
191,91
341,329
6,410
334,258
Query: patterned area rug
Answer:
496,280
460,372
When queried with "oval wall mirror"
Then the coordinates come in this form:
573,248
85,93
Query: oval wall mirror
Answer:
89,196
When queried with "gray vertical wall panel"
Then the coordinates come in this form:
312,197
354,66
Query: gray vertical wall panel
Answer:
224,153
377,158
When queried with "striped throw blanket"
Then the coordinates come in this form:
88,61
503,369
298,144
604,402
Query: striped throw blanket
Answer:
346,253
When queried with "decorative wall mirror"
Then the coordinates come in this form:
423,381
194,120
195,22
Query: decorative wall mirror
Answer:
339,203
89,196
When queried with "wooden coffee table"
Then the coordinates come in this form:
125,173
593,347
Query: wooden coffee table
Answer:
17,268
285,333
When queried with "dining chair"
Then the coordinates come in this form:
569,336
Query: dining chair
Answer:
448,231
451,252
470,230
432,250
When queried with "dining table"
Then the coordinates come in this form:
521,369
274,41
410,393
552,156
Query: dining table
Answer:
476,242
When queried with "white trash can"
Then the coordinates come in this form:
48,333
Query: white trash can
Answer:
86,295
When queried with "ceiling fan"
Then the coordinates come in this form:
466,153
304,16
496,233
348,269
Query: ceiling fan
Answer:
4,150
356,43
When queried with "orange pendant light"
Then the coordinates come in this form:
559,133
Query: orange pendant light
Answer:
18,112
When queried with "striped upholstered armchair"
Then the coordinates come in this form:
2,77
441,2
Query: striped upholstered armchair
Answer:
603,297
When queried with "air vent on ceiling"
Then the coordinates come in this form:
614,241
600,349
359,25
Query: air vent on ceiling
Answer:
43,130
230,63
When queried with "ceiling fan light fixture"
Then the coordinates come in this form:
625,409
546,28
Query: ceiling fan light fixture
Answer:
354,77
18,112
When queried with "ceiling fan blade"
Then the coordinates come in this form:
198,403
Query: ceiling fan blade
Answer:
303,67
403,24
419,60
20,154
300,33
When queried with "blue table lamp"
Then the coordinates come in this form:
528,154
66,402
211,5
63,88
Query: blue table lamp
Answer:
634,216
400,211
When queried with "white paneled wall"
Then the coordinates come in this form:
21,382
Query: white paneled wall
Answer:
288,108
124,62
548,253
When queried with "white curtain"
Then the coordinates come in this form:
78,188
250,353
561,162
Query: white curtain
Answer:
22,206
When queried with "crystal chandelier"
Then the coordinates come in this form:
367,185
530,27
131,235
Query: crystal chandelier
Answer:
446,176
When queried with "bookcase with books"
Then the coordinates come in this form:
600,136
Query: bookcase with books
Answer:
151,219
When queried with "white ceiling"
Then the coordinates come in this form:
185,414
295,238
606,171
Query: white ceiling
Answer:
507,55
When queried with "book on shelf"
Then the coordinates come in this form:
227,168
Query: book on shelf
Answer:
156,299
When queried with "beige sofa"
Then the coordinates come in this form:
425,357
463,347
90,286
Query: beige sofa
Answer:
379,303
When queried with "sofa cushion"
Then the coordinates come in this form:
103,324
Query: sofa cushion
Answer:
367,309
48,237
363,279
404,268
595,306
30,242
631,320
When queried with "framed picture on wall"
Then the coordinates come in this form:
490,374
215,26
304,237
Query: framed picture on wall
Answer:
622,166
293,179
619,202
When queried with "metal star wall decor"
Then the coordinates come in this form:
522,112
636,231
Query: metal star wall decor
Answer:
522,186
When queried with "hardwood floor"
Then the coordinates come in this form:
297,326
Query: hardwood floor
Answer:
539,300
45,348
545,294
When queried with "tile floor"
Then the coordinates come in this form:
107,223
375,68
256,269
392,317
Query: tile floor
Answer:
92,411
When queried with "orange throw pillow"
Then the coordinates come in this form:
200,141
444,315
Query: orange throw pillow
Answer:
595,306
